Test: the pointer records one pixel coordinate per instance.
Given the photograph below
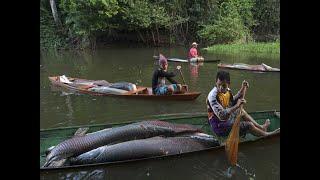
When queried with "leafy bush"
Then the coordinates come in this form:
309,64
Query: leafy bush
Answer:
229,25
86,18
206,21
49,36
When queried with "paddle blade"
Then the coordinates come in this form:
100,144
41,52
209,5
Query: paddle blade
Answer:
232,142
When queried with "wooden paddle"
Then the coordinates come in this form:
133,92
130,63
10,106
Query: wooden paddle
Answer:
184,60
232,142
184,82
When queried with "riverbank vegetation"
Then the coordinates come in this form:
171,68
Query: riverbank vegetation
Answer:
261,47
89,23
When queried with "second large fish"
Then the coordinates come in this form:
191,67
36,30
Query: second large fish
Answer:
145,148
81,144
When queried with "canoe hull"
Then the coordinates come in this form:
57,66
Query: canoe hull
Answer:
186,60
51,137
146,95
256,68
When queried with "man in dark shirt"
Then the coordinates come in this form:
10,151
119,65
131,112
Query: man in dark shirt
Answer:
158,79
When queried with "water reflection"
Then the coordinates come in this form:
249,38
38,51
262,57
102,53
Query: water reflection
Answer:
194,71
95,174
70,110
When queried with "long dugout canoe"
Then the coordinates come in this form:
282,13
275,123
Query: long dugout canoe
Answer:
258,68
83,85
186,60
52,137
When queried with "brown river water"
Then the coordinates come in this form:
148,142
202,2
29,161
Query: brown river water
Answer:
259,160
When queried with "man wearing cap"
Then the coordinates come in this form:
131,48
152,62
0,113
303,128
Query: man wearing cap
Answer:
193,53
158,80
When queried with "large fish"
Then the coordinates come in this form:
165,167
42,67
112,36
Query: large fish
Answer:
143,148
82,143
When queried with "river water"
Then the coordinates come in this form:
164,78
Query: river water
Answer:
135,64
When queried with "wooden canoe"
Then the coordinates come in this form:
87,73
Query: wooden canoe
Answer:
241,66
81,86
185,60
52,137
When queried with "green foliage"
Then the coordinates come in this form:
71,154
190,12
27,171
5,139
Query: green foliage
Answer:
229,26
225,30
136,14
85,18
255,48
49,36
244,8
205,21
267,15
159,16
142,14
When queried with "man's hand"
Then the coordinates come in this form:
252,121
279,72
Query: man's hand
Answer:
245,84
184,88
241,101
178,67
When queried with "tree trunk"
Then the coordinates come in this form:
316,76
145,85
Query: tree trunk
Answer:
141,37
187,30
182,33
93,42
55,13
147,37
158,36
154,41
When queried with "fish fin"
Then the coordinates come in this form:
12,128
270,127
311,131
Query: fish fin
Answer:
66,162
45,164
266,67
277,114
55,163
81,131
49,150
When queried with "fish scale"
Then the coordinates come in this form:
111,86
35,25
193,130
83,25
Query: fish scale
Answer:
145,129
143,148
